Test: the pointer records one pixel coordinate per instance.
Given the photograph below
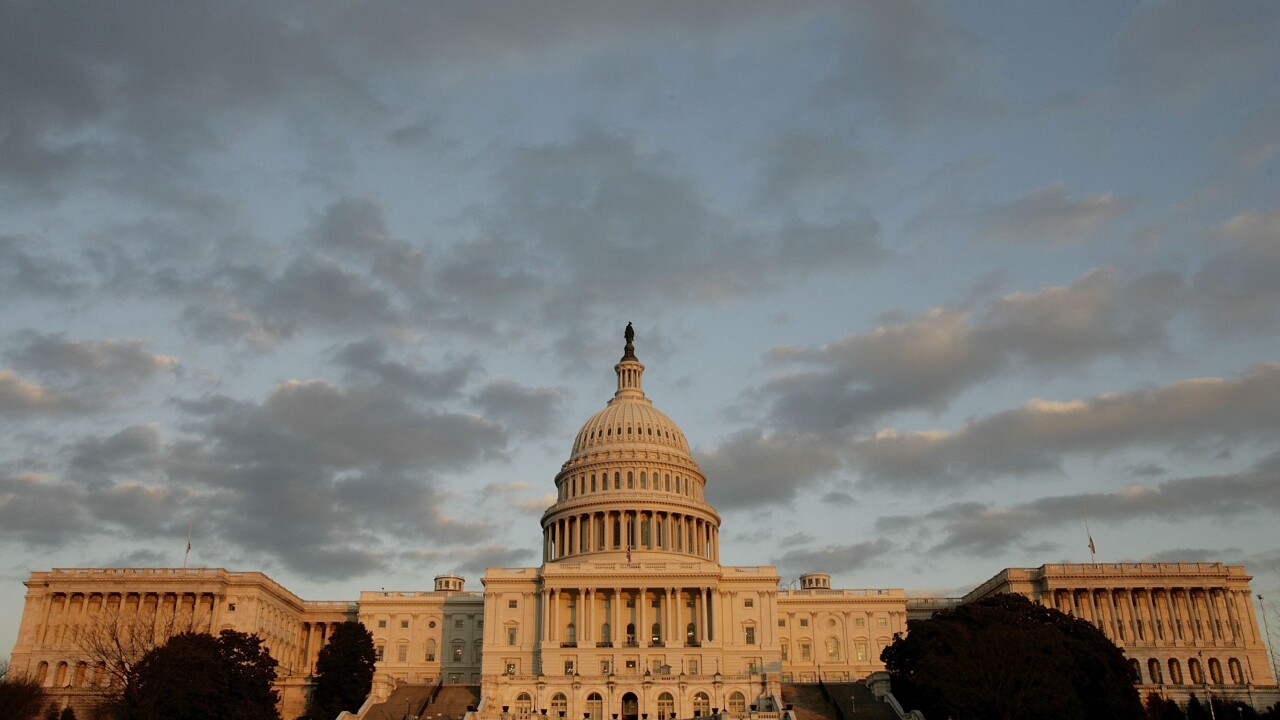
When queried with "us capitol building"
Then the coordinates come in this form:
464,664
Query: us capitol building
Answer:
631,613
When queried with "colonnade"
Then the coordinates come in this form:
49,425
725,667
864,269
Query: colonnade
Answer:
314,637
1170,616
625,617
598,531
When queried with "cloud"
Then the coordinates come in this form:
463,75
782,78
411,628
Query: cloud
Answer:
21,396
475,560
90,368
979,529
927,361
1236,288
833,558
531,411
133,451
1182,51
1199,414
24,273
366,361
1049,216
752,469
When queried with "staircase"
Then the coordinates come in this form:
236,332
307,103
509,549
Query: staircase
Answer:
857,703
403,703
809,702
451,702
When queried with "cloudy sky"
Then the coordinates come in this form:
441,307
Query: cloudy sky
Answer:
336,283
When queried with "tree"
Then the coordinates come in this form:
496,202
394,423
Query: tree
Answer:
1160,708
20,695
1006,658
1196,709
344,671
195,676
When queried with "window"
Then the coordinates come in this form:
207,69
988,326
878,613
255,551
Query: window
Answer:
749,602
737,704
605,667
782,623
380,653
431,651
751,635
404,624
457,651
804,622
511,668
1153,671
1175,672
693,667
513,635
524,704
631,667
666,706
701,704
1237,673
862,649
604,629
231,607
882,622
806,653
785,645
402,653
382,623
860,622
513,604
559,705
833,648
456,623
568,667
595,707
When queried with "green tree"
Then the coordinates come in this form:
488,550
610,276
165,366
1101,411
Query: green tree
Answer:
21,696
344,672
1160,708
1006,658
1196,709
195,676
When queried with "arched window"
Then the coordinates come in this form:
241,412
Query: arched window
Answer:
737,704
559,705
431,650
595,707
82,674
1153,671
617,533
604,633
655,634
1196,672
593,482
631,634
571,633
478,648
701,704
631,480
1215,671
1175,672
666,706
100,674
784,644
667,480
1237,673
457,651
1137,670
524,705
617,481
60,677
644,479
42,673
833,648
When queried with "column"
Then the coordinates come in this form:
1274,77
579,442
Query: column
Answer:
642,627
703,632
1228,629
677,624
586,629
546,615
616,630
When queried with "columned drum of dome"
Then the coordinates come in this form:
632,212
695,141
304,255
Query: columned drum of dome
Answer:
630,484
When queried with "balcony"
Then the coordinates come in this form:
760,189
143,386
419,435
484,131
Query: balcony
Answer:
569,644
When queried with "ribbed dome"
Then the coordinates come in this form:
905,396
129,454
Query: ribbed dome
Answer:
633,422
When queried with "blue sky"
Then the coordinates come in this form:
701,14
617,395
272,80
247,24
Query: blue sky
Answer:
923,283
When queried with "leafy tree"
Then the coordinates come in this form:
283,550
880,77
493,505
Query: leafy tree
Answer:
67,714
195,676
21,696
1196,709
1006,658
344,671
1160,708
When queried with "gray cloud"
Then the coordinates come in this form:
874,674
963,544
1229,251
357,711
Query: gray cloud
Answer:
531,411
474,561
19,395
833,558
93,368
979,529
926,361
752,468
1201,414
366,362
1237,287
1049,216
24,273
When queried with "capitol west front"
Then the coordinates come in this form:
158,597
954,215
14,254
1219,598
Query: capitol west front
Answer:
631,615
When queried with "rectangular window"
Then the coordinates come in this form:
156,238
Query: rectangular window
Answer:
693,667
805,652
604,667
457,623
753,665
511,636
804,622
404,624
751,635
231,607
568,667
862,651
749,602
882,622
784,649
513,604
511,668
402,653
379,653
457,653
860,622
782,623
382,623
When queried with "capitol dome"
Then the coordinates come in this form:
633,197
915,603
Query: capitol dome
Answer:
630,483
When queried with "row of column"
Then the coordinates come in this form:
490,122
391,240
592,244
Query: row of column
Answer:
630,530
314,637
61,610
1166,615
578,615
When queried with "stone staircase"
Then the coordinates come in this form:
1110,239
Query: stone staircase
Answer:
451,702
403,702
857,703
809,702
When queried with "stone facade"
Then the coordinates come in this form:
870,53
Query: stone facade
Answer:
631,613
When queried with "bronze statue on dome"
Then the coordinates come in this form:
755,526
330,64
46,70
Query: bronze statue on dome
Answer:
629,333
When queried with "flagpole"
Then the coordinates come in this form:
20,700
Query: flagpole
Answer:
1085,513
186,554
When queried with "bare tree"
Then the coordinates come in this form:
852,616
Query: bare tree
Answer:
21,696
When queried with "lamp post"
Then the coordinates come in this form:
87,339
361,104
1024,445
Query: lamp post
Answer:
1271,656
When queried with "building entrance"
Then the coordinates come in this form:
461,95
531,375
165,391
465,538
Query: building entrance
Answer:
630,707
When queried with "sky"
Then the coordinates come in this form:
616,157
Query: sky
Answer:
927,285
